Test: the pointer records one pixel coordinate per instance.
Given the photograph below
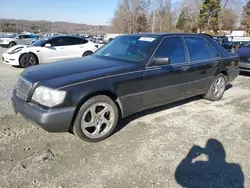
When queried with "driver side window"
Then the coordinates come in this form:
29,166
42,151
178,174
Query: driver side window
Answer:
20,37
173,49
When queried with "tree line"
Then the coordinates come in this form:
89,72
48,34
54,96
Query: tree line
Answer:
17,26
212,16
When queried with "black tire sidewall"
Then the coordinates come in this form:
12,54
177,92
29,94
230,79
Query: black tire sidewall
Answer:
12,44
22,62
87,53
77,123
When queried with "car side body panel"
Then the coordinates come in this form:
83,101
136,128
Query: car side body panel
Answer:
136,86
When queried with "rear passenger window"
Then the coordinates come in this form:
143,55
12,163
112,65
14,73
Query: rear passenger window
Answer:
60,41
84,41
74,40
212,51
173,49
197,48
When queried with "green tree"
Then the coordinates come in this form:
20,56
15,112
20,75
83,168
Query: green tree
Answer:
245,20
182,20
209,13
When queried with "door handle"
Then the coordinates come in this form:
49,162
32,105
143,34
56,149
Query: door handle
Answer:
61,48
184,68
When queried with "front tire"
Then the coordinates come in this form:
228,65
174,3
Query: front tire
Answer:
96,119
217,89
12,44
28,60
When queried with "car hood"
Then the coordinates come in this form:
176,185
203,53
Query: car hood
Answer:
66,72
243,52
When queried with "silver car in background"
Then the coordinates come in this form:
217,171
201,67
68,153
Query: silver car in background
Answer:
12,40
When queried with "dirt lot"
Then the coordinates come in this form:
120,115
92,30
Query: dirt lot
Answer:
147,151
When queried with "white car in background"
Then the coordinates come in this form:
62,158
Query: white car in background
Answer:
12,40
47,50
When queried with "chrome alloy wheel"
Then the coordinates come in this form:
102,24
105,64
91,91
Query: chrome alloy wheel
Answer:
219,87
97,120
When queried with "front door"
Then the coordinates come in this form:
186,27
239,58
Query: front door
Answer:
166,83
57,51
20,40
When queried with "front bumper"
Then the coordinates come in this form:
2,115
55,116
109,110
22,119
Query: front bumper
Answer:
56,120
11,59
4,43
244,66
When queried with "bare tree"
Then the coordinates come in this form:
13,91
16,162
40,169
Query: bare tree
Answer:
131,16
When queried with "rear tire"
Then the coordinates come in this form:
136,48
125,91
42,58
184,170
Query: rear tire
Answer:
12,44
87,53
217,89
96,119
28,60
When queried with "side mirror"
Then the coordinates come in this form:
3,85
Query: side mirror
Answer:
161,61
48,45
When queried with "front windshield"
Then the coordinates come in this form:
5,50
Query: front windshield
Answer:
40,42
10,36
132,48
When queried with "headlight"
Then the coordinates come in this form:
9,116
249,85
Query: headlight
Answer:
15,51
48,97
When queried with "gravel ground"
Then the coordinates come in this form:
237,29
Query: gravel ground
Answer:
150,150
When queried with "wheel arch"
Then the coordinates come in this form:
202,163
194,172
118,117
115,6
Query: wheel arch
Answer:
12,42
108,93
223,72
90,51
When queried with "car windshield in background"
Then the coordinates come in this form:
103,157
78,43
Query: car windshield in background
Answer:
40,42
131,48
10,36
247,45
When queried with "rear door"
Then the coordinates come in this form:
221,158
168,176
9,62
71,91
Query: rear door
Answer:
57,51
75,47
204,60
166,83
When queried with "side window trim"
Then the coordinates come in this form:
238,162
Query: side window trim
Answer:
207,42
149,63
186,50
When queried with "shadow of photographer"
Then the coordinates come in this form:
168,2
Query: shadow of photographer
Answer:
214,173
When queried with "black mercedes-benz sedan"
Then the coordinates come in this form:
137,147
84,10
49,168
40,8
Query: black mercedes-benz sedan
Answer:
130,74
244,53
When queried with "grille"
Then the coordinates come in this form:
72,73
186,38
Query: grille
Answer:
23,88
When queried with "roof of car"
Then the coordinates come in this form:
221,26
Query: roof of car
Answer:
58,36
168,34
